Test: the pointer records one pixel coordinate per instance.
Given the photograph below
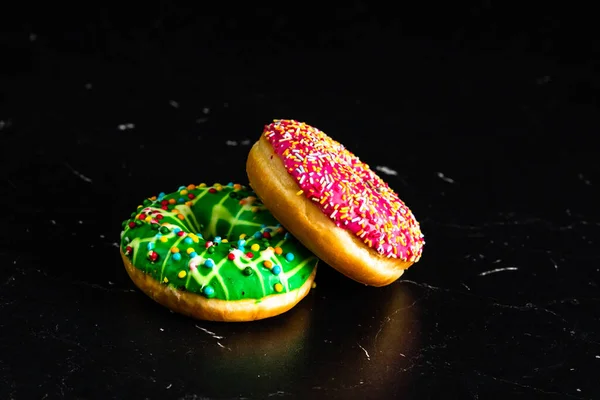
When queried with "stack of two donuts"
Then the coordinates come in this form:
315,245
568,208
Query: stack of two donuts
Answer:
228,252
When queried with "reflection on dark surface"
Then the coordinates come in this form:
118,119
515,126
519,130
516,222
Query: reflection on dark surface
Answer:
368,342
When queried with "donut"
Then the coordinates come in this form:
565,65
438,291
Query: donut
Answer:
215,253
333,203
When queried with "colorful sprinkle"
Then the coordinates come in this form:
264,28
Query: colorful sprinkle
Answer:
231,256
152,256
278,250
208,291
176,256
164,239
276,269
268,264
278,287
289,256
248,271
182,274
188,240
255,247
209,263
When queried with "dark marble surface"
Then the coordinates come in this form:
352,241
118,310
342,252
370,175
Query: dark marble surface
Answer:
486,128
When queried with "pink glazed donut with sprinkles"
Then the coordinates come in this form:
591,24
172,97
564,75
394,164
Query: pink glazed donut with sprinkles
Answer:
333,203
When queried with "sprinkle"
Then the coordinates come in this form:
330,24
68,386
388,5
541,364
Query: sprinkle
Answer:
231,256
166,280
209,263
191,187
181,216
278,250
248,271
255,247
217,239
278,287
176,256
182,274
268,264
150,245
249,255
152,256
276,270
289,256
190,250
188,240
208,244
299,192
193,254
208,291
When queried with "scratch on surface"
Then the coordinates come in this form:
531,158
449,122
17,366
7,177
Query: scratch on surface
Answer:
389,318
386,170
277,393
78,174
445,178
231,143
554,262
223,347
524,386
212,334
103,288
365,350
528,307
493,271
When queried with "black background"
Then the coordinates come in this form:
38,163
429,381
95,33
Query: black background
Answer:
487,111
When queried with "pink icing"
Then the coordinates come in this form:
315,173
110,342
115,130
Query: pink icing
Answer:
346,190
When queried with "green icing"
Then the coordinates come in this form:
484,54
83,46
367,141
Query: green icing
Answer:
191,217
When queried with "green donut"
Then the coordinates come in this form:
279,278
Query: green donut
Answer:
215,252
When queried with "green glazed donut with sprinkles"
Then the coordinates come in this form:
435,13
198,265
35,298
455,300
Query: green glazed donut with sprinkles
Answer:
215,253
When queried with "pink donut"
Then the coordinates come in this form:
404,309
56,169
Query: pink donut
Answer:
334,203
